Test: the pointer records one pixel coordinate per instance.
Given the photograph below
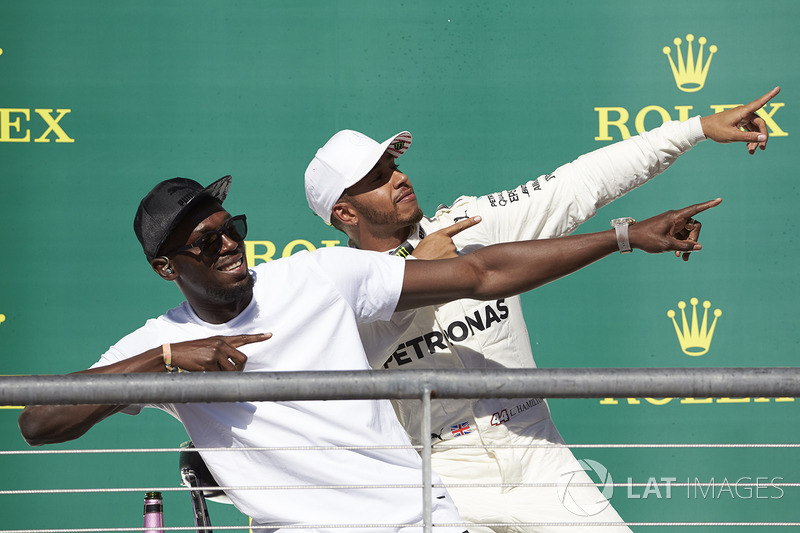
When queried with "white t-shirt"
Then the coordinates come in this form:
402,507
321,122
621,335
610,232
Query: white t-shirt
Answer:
312,303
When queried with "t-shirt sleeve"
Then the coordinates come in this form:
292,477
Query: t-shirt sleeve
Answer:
132,344
127,347
370,282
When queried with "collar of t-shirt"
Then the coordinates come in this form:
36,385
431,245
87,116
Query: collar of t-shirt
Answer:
405,249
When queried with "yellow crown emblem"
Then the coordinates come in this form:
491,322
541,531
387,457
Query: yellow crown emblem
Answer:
690,75
695,340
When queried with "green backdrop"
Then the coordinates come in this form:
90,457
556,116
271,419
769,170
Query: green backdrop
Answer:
100,100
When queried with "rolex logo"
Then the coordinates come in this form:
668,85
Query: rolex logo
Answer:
2,318
695,340
690,74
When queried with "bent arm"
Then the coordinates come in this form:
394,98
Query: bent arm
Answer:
51,424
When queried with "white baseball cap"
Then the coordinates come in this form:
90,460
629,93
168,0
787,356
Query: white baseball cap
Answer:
344,160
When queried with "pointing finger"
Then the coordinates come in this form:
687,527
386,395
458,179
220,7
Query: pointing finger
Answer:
240,340
460,226
758,103
692,210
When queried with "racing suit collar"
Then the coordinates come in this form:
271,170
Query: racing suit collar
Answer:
405,249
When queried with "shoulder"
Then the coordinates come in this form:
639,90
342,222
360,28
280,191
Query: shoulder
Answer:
328,253
345,256
447,214
333,262
291,266
359,267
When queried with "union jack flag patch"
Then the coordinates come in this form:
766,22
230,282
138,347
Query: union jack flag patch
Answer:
460,429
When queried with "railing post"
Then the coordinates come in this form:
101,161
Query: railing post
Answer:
427,469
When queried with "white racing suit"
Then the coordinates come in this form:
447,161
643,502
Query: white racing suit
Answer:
492,334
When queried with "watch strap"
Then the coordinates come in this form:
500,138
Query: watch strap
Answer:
620,226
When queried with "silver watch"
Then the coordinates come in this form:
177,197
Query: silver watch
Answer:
620,225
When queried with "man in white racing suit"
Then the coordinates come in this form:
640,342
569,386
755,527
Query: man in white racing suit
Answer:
370,203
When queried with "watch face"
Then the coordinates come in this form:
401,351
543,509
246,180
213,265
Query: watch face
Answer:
620,221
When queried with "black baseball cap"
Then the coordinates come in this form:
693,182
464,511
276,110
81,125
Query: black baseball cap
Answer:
163,207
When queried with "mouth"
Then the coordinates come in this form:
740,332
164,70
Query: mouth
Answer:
407,196
236,266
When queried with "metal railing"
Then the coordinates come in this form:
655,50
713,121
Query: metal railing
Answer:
424,385
397,384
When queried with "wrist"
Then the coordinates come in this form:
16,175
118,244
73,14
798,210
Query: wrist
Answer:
166,357
621,226
703,126
695,129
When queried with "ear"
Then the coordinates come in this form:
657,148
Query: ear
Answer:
345,213
163,267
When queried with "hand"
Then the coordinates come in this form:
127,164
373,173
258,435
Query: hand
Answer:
671,231
439,244
214,354
689,232
724,127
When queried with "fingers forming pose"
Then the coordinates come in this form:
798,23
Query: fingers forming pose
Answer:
439,244
214,353
675,230
46,424
740,124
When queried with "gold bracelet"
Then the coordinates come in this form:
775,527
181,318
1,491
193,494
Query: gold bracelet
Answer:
166,355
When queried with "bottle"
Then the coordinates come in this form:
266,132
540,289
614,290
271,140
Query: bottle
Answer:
153,513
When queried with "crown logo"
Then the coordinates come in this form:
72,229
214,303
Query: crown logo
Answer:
690,75
694,340
2,318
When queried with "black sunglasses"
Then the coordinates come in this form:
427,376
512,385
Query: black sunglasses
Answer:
210,242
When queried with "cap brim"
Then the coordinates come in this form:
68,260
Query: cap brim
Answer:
396,145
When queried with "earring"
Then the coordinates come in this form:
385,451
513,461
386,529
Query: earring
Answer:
167,269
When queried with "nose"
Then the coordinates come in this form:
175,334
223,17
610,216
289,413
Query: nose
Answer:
399,179
228,244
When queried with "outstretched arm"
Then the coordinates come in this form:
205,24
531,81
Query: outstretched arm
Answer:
556,204
506,269
49,424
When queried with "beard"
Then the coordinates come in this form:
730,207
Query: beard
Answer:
391,219
231,293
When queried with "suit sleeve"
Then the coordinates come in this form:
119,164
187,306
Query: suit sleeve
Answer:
555,204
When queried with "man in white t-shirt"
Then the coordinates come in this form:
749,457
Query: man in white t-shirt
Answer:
354,184
302,313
